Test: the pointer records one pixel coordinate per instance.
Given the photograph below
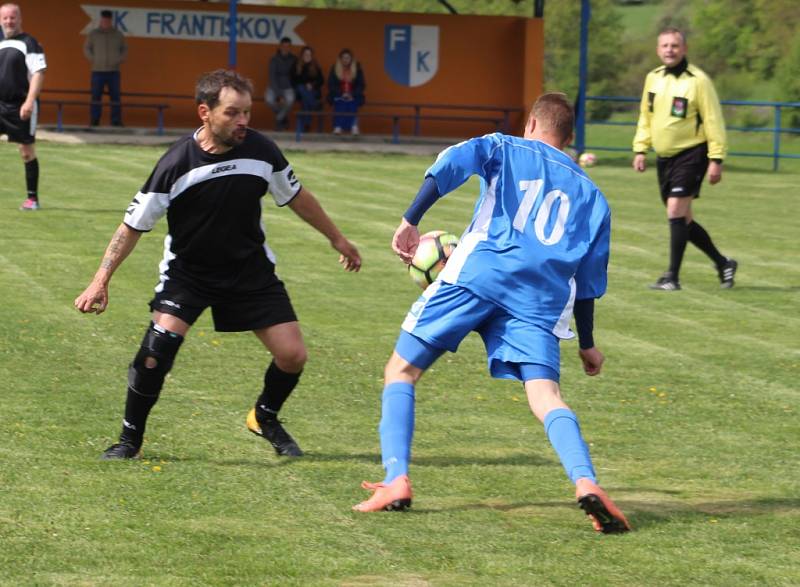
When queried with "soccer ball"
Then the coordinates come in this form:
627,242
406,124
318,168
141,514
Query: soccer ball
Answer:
434,249
587,159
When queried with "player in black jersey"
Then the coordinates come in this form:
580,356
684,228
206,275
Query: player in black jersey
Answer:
22,67
209,185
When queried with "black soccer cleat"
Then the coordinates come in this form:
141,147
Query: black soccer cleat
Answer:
273,432
666,283
121,450
726,272
596,509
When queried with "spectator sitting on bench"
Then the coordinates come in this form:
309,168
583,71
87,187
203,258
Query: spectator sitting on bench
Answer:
280,93
307,81
346,91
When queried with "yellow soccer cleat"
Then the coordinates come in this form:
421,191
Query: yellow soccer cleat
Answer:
273,432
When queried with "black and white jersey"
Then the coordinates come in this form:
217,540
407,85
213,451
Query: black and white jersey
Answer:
213,203
20,57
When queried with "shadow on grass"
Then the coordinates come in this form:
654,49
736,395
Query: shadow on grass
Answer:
271,460
652,513
519,459
768,288
74,210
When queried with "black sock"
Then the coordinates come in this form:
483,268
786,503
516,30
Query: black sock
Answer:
702,240
277,387
679,236
137,408
32,178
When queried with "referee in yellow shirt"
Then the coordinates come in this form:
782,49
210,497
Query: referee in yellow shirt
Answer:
681,119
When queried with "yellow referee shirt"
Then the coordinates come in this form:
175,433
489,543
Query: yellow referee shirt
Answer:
678,112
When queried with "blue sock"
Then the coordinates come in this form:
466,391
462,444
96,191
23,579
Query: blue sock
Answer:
561,427
397,428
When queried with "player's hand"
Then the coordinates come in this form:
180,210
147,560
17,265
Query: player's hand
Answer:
640,162
405,241
26,110
348,254
714,172
592,360
93,300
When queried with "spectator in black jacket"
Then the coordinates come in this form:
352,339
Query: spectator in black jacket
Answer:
308,81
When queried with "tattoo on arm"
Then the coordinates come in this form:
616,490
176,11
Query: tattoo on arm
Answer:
117,243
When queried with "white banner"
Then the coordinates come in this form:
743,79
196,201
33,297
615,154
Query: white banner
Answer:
197,25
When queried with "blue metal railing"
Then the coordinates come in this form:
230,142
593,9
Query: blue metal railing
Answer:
777,129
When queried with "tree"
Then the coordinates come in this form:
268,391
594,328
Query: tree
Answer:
562,42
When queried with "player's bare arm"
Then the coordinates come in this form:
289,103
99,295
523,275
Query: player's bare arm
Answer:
592,360
35,87
405,241
306,206
94,298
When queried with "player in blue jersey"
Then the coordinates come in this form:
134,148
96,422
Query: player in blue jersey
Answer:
534,254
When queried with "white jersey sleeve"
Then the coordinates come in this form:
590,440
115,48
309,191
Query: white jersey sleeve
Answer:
151,202
283,185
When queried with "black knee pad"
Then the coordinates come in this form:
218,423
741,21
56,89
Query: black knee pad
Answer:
153,361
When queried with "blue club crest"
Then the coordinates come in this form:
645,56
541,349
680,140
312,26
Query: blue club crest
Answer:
411,53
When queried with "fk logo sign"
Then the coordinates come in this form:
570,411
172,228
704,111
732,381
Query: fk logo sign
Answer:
411,53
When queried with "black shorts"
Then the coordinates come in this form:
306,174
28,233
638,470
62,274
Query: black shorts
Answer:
248,300
18,130
681,175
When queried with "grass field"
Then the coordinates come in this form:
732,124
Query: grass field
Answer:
693,425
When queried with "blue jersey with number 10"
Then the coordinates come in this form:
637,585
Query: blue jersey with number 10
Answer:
540,233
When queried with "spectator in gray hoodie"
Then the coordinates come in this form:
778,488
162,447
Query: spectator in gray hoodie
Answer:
106,49
280,92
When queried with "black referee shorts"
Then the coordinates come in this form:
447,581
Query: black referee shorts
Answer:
681,175
18,130
245,300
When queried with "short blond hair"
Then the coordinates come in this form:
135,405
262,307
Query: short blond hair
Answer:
555,114
671,30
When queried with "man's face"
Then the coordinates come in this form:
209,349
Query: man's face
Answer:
228,120
10,20
671,49
285,48
105,22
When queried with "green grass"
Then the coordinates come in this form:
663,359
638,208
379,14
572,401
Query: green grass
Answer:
693,424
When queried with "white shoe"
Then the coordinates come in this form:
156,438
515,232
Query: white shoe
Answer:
354,130
337,130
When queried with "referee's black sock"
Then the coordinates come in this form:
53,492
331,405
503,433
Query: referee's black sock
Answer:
32,178
277,387
702,240
679,236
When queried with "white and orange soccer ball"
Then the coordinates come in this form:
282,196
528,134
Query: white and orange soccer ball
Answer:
434,249
587,159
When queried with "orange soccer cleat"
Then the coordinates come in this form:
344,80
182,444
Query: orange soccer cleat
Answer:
606,517
396,496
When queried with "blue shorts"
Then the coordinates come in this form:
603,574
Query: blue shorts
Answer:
445,314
